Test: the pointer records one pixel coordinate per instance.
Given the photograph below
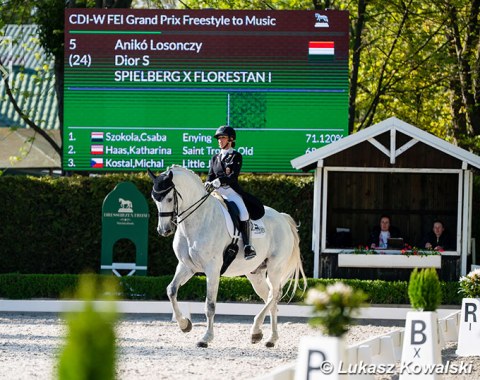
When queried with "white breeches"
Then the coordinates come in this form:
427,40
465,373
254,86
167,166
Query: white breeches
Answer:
231,195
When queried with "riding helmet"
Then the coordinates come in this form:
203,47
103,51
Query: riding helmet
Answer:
225,130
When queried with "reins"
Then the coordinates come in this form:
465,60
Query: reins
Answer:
174,214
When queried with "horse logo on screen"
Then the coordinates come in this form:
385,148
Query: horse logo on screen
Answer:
125,205
322,21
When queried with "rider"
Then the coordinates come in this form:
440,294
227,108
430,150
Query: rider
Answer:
223,175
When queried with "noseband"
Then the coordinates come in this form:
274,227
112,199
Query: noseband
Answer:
160,195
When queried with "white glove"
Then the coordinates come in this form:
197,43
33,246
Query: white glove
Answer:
208,186
216,183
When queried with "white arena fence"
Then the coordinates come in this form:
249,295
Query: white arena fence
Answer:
383,349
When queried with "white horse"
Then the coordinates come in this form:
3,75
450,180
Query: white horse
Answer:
201,237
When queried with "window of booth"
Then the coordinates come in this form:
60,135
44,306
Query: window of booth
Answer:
357,200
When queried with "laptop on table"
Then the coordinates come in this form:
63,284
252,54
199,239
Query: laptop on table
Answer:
395,243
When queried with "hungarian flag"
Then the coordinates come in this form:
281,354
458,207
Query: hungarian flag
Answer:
96,149
321,48
96,163
97,136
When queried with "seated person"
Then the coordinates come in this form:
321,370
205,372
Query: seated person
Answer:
438,239
381,233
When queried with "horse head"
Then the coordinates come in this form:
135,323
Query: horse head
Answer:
178,192
165,196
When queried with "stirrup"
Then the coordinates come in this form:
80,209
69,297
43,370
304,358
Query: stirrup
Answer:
249,252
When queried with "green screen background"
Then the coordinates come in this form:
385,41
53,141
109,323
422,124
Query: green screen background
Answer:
304,106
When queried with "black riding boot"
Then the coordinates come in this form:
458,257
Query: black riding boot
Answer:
245,230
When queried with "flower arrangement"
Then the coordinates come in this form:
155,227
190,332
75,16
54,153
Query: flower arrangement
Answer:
414,251
364,250
334,307
470,284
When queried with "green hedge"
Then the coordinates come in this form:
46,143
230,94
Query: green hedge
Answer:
24,286
53,225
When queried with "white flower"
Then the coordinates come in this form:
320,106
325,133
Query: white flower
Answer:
474,274
470,284
315,297
471,277
340,288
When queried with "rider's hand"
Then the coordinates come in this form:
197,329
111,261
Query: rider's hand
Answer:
208,187
216,183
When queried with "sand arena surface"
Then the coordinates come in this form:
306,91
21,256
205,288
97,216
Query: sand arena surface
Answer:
153,347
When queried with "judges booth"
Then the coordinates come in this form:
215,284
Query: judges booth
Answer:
396,169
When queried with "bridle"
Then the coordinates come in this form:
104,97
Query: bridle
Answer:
175,214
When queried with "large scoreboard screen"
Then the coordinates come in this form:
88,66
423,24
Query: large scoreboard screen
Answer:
148,88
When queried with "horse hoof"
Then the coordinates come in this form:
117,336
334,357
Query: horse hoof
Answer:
187,328
257,337
269,344
202,344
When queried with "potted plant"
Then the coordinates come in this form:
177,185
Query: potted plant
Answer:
421,343
468,342
333,308
424,290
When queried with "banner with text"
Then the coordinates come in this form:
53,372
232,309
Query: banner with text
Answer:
148,88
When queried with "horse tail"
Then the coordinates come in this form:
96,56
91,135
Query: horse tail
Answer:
294,268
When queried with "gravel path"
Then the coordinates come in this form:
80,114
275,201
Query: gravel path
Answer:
152,347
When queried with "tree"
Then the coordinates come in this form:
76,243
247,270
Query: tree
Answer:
49,16
462,31
19,12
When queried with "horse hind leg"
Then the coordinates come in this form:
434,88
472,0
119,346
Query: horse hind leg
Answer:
270,306
182,275
274,320
264,289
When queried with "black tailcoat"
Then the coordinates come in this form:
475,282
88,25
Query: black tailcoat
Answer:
227,171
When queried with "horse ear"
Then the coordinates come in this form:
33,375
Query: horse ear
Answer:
151,174
170,174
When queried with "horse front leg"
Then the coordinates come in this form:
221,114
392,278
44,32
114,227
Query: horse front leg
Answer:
212,291
182,275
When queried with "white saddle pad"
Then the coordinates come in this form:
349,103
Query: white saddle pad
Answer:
257,226
258,229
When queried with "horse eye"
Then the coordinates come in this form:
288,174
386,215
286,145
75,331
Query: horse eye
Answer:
169,200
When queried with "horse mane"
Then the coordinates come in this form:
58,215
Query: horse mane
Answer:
191,173
182,172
